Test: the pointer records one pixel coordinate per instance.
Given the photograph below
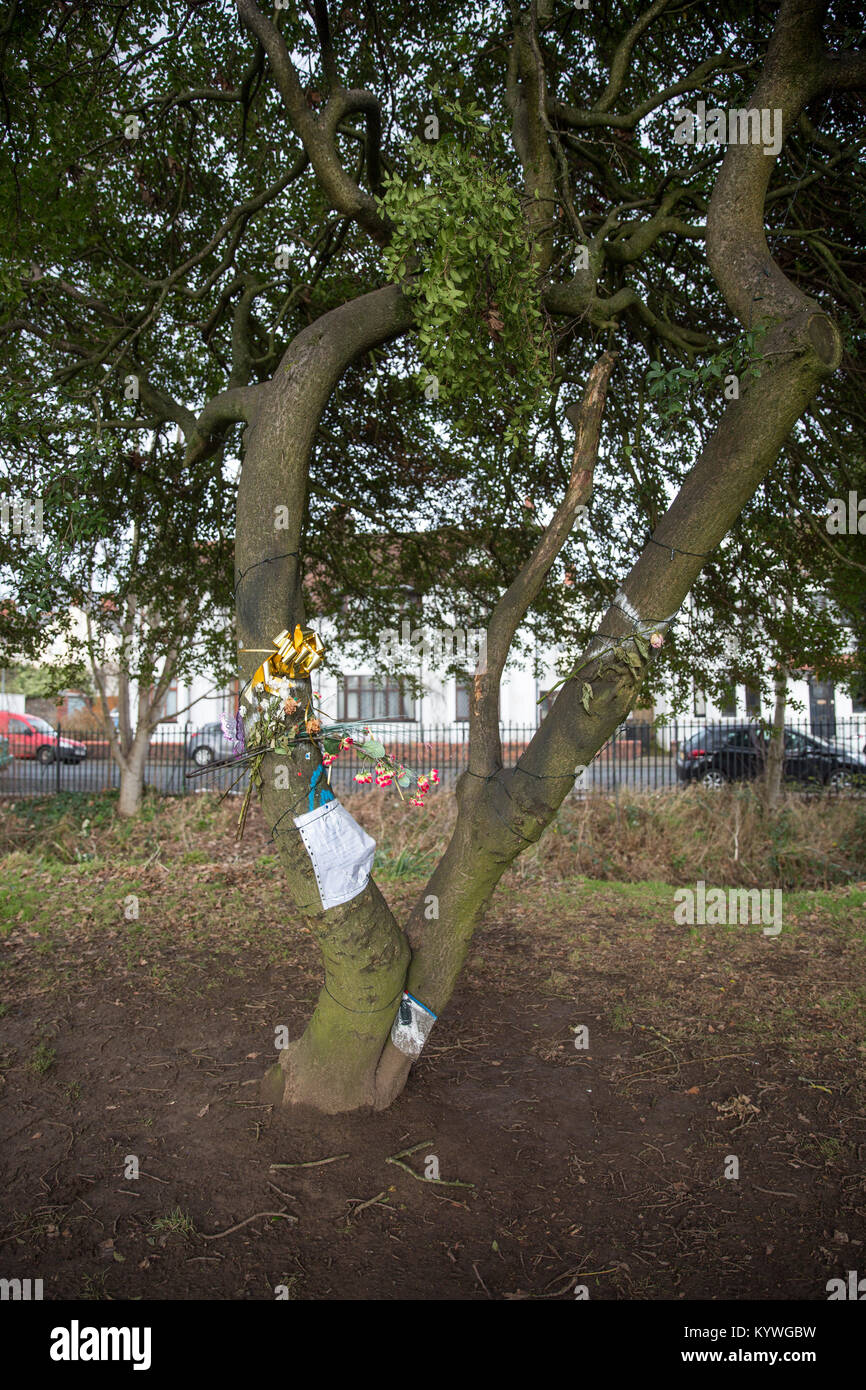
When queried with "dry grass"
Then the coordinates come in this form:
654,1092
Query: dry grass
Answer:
723,836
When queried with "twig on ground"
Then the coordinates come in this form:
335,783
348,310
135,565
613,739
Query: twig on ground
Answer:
284,1216
371,1202
396,1159
314,1163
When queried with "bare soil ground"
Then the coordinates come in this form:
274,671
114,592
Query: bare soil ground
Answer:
602,1166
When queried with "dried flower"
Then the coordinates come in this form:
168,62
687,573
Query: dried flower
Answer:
657,640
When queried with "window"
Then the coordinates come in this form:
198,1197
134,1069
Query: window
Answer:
728,705
463,690
740,738
699,704
753,700
41,726
363,697
167,711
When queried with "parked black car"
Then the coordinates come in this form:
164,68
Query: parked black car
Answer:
737,752
208,744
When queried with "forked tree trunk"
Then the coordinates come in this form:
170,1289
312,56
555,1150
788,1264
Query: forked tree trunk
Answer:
344,1058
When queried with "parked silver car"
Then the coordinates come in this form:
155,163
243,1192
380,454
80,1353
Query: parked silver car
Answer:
208,744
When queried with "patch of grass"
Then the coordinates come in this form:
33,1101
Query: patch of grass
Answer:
848,1001
829,1150
176,1223
42,1058
620,1018
409,863
289,1285
93,1288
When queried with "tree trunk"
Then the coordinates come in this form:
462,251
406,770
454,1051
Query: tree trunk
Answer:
776,749
365,953
334,1065
132,774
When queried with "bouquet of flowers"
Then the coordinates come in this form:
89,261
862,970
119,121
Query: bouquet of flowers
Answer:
270,720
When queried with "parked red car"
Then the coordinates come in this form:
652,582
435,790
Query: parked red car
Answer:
32,737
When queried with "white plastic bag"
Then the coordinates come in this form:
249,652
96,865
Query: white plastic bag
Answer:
340,851
411,1027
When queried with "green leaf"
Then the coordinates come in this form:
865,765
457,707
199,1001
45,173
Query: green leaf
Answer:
372,748
632,658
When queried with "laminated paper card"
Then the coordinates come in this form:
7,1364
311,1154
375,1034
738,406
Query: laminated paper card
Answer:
340,851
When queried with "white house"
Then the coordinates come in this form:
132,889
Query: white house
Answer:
350,691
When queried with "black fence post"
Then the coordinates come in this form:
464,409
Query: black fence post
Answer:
57,759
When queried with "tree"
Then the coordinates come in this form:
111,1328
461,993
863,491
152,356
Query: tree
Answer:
133,583
272,289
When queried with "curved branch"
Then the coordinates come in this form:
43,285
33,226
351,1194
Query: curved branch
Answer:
344,194
753,285
580,119
622,55
844,71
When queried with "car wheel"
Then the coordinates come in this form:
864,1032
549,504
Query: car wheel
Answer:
839,781
713,779
45,754
202,756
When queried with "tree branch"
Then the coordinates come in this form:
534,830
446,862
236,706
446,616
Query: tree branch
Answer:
622,55
485,749
343,193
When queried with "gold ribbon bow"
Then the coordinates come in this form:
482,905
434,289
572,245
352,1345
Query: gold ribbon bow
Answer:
293,656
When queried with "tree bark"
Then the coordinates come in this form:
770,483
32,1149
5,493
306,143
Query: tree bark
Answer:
365,952
132,774
776,749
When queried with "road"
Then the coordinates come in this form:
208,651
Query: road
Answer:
26,777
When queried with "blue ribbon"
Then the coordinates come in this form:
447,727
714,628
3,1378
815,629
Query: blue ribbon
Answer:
325,793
